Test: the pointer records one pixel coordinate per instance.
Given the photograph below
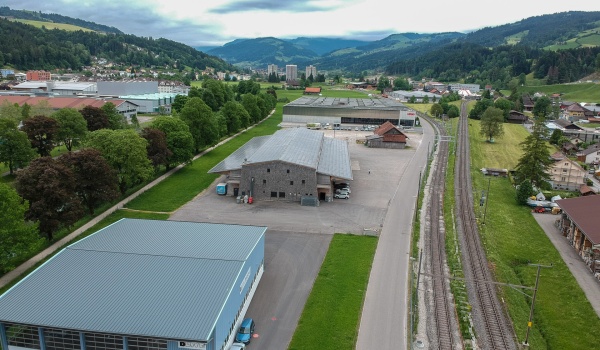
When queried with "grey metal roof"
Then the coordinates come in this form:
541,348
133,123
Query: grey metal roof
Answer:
347,103
161,279
296,146
235,160
334,159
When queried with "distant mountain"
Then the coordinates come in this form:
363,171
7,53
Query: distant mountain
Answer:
56,18
26,47
322,46
263,51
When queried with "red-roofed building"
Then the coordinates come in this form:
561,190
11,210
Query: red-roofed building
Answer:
312,90
126,108
580,224
387,136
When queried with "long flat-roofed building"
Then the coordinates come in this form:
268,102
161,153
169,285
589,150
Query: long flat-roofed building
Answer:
138,284
336,110
288,165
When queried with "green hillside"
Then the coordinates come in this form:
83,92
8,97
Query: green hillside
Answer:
51,25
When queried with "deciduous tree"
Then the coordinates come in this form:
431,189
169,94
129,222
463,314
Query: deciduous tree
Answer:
125,151
15,148
95,180
41,131
115,119
179,139
17,237
492,123
72,127
95,117
436,110
49,186
157,149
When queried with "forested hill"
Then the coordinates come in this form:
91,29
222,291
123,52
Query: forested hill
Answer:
26,47
6,11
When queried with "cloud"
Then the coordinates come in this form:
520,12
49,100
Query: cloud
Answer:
276,6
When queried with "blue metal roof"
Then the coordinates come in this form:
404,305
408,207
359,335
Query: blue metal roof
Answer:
163,279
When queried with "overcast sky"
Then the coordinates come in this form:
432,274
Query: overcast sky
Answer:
216,22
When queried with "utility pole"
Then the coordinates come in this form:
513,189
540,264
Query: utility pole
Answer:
535,289
487,199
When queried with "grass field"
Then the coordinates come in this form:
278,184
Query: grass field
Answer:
563,318
584,92
50,25
332,312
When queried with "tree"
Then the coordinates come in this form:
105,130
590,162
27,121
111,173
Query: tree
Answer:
115,119
480,107
125,151
383,83
491,123
72,127
95,180
179,102
25,111
15,148
17,237
232,112
11,111
524,190
157,149
41,108
401,84
436,110
201,122
179,139
453,111
49,186
425,99
556,136
542,108
535,161
505,105
41,131
250,103
95,117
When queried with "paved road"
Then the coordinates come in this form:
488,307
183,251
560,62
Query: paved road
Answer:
383,324
583,275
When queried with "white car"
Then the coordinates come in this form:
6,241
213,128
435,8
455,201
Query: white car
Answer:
343,190
238,346
343,195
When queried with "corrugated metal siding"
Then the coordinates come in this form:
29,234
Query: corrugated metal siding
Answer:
174,293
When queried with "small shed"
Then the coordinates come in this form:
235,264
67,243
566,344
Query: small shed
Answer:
494,172
387,136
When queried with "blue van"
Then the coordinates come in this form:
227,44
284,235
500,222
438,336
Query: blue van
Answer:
244,334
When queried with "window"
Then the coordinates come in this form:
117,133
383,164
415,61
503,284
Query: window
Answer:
95,341
303,182
288,171
291,183
264,182
273,194
22,336
268,170
146,344
281,194
61,339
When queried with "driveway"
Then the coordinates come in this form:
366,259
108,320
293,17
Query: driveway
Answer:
298,237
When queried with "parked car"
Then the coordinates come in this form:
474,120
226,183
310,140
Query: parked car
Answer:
342,190
244,334
238,346
343,195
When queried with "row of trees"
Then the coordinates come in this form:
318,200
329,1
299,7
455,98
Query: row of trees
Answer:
110,161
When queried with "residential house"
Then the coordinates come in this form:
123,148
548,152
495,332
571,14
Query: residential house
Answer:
528,103
590,155
516,117
566,175
576,112
566,124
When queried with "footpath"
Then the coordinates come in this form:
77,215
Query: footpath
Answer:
19,270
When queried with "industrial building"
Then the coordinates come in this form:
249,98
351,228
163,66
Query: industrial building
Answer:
359,111
293,164
120,88
138,285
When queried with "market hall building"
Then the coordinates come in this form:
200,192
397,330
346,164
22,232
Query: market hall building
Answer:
138,285
292,164
342,110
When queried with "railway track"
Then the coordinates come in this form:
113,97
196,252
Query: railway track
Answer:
445,335
491,324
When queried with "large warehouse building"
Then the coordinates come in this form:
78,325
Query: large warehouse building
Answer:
336,110
291,164
138,285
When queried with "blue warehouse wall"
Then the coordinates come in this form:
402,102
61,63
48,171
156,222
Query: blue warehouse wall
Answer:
247,279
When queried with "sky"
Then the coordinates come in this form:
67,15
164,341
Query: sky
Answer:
216,22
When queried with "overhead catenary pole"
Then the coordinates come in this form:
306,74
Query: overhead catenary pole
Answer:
535,289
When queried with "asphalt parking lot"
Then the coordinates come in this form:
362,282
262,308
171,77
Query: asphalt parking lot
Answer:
298,237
